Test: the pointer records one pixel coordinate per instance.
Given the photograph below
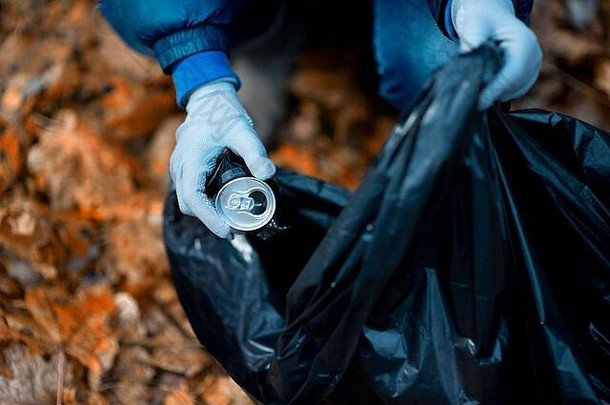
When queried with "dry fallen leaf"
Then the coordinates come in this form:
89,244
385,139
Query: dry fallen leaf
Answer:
26,378
159,151
10,155
77,168
602,76
295,157
179,396
135,256
78,323
39,242
133,376
87,127
133,110
171,349
224,391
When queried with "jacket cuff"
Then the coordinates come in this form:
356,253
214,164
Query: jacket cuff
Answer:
449,29
201,68
523,10
188,41
441,12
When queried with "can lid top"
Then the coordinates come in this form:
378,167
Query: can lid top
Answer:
246,203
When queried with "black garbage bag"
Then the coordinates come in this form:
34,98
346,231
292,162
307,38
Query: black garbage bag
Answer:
472,265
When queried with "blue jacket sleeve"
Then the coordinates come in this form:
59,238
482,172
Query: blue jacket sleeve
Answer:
171,30
198,69
189,38
441,11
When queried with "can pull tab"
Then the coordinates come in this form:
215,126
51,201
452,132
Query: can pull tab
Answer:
254,203
244,202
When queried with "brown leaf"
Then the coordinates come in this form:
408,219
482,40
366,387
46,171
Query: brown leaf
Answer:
135,256
602,76
17,325
39,302
10,155
96,398
171,349
165,295
121,60
40,66
295,157
224,391
28,379
133,376
159,151
329,86
39,241
134,109
179,396
80,324
10,287
559,43
77,168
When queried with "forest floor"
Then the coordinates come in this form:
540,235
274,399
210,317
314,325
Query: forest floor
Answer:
88,313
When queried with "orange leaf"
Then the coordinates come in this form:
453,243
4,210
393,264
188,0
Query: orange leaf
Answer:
79,323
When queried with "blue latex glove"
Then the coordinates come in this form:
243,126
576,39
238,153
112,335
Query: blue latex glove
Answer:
215,119
478,21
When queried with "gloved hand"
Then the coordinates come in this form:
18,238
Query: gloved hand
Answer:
215,119
476,22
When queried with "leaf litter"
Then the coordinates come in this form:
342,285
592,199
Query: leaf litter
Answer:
88,314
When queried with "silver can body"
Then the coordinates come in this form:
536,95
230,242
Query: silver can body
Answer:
246,203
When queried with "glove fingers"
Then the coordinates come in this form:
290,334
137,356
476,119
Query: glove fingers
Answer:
192,200
198,204
251,149
470,35
206,212
522,62
471,39
180,196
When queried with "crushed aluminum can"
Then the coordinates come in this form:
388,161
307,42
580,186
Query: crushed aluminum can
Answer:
244,202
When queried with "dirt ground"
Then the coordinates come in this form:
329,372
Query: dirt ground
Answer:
88,314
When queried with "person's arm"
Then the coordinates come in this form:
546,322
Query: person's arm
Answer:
170,30
506,22
189,39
